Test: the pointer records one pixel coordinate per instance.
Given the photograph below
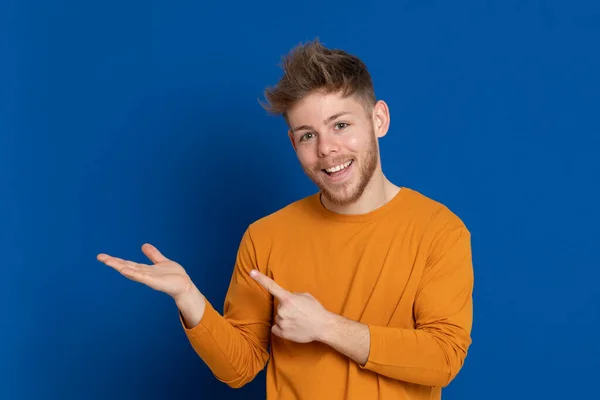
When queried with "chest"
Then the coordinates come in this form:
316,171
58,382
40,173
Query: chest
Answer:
366,274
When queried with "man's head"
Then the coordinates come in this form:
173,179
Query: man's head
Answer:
327,98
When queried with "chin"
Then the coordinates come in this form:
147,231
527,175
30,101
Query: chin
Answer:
348,189
343,193
341,196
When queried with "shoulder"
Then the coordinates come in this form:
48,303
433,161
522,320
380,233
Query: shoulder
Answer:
442,232
435,222
283,219
433,213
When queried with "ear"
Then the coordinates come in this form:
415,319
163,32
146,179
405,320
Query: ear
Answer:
381,118
291,136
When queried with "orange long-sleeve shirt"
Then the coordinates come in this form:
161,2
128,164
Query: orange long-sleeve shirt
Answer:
404,270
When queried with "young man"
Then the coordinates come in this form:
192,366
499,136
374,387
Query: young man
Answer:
362,290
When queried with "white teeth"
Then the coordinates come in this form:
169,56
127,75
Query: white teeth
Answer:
339,167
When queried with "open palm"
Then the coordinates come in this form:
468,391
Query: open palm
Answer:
164,275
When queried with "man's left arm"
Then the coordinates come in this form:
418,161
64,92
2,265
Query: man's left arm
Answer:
433,353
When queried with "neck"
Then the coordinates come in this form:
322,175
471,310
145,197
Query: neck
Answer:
377,193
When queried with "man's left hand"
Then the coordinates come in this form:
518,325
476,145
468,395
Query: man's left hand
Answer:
300,317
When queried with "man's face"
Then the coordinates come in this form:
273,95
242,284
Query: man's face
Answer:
336,143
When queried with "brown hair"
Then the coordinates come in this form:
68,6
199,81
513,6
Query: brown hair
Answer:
311,66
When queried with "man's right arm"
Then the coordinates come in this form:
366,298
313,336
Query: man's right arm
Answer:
191,305
234,345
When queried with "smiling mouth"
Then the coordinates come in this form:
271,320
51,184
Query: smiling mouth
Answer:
338,168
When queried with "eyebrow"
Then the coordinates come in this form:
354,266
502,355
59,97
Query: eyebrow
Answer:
325,122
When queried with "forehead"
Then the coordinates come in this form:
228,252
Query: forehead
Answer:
316,107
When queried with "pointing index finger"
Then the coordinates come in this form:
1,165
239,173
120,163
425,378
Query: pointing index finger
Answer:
269,284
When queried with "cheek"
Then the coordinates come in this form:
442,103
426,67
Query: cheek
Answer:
306,158
357,144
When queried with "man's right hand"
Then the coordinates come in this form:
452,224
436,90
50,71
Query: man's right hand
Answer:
165,276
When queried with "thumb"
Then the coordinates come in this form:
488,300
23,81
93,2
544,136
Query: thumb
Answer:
153,254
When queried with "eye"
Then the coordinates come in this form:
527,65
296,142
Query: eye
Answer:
341,125
306,136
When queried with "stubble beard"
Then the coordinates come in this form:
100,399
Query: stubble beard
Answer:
346,193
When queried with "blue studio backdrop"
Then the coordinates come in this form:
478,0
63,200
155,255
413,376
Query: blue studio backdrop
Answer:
124,122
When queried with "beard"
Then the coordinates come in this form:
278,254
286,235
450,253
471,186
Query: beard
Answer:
348,192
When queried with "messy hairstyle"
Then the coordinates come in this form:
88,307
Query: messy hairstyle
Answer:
312,67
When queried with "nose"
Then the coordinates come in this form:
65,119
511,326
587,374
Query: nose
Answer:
327,145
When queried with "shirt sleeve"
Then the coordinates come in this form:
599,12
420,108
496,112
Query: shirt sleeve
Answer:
433,353
235,345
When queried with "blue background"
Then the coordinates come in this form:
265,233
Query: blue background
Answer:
124,122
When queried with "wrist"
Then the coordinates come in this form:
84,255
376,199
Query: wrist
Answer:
184,297
329,328
351,338
191,305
